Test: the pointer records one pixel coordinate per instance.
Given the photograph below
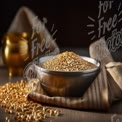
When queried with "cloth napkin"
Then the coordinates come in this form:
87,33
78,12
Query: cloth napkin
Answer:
99,95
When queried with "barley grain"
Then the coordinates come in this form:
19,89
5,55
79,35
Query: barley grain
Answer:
13,99
67,61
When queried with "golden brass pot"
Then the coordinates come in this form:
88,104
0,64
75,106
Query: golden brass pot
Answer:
15,52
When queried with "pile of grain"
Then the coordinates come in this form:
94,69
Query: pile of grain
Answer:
13,97
67,61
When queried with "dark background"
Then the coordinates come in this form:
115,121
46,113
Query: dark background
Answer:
70,18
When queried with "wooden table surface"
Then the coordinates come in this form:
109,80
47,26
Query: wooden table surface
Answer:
68,115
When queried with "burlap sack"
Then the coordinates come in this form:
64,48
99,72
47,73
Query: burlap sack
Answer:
26,21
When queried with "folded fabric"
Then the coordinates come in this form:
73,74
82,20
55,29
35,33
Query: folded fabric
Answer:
115,79
97,96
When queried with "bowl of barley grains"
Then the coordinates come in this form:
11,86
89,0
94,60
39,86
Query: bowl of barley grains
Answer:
66,74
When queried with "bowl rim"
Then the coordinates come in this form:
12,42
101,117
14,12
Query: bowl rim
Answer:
92,60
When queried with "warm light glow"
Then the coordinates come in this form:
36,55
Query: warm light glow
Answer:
24,34
7,51
7,41
105,95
